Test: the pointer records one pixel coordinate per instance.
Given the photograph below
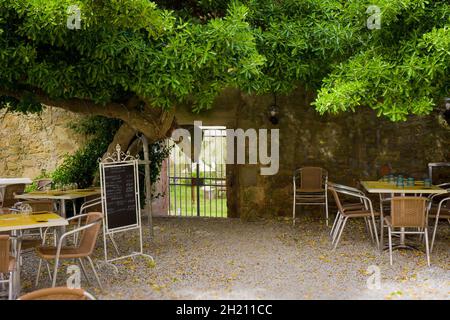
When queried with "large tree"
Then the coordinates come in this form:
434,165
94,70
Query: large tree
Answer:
136,60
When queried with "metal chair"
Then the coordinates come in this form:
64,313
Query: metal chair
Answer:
58,293
42,184
10,190
408,212
347,206
310,188
89,233
7,264
344,214
441,211
94,204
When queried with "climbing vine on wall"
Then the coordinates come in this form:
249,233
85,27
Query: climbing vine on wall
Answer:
81,167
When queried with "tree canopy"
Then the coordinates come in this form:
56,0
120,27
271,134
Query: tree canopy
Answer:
136,59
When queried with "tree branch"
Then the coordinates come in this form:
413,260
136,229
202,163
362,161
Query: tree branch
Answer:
153,122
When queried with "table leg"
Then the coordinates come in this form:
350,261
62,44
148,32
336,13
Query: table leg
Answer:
402,230
16,274
402,236
381,230
62,213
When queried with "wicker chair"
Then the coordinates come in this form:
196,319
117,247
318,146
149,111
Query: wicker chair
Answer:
441,211
350,205
41,205
8,196
408,212
89,233
42,184
58,293
310,188
368,214
7,265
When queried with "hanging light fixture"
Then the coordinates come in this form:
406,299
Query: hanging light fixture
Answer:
447,110
274,111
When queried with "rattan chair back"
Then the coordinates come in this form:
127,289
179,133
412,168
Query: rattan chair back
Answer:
89,236
312,177
4,254
58,293
408,212
10,191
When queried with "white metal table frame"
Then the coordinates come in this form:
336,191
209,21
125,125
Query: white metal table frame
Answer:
8,181
61,198
15,243
403,191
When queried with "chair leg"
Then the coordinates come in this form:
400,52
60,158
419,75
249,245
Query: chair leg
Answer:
95,272
38,273
293,212
55,273
375,231
369,230
10,286
390,245
83,269
427,246
340,233
381,232
337,228
19,251
2,283
49,271
326,207
434,234
334,223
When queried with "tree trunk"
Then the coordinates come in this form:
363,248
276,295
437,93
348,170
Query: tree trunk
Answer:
123,137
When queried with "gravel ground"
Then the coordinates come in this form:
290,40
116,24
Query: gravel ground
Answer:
197,258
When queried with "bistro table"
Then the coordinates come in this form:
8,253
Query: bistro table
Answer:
382,187
7,181
60,196
16,222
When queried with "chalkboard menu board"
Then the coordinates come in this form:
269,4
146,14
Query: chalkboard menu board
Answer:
120,195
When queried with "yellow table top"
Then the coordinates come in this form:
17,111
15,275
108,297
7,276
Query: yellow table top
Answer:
19,221
386,187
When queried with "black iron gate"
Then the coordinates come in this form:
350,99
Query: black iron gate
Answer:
199,188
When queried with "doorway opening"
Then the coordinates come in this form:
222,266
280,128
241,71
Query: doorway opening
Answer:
199,189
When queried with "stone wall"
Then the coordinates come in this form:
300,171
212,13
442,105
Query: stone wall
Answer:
351,146
32,143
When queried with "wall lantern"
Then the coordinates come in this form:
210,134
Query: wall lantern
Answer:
274,112
447,110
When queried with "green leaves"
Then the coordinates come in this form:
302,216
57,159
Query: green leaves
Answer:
136,47
82,166
397,79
